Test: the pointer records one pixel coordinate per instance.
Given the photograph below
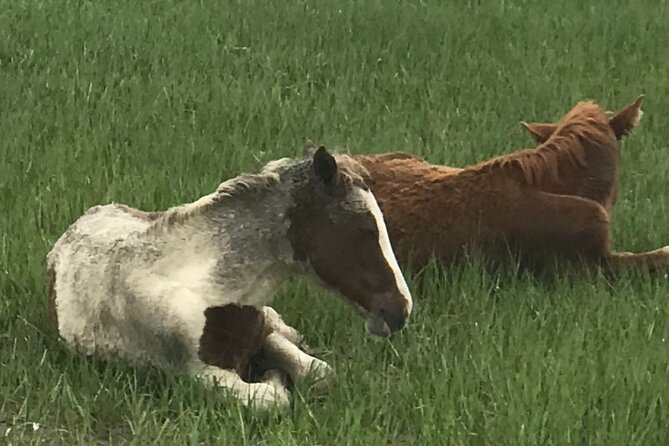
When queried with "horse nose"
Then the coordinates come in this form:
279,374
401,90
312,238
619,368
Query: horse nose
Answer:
394,315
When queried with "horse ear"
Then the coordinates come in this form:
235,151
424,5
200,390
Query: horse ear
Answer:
624,121
539,132
325,166
309,149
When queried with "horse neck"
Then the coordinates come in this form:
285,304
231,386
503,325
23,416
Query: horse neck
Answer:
248,234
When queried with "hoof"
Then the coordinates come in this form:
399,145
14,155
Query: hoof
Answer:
269,397
320,375
275,377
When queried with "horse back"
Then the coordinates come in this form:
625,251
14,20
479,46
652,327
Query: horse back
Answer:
433,210
427,208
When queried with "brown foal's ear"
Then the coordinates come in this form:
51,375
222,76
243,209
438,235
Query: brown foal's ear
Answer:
623,122
539,132
325,166
309,149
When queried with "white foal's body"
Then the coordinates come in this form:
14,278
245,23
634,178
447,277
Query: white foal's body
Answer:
135,285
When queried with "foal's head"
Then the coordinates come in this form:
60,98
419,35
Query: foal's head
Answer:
337,229
622,123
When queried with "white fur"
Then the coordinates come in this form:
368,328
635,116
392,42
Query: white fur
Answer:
268,394
274,320
386,248
283,353
175,290
139,288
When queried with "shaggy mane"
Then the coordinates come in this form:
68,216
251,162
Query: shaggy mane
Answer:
350,171
586,124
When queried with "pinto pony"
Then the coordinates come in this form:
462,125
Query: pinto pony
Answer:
188,288
547,204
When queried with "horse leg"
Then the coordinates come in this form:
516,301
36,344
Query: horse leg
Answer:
283,354
277,325
582,226
268,394
546,225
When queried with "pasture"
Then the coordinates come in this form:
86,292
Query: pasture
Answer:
153,103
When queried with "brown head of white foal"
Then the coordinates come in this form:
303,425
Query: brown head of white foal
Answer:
337,229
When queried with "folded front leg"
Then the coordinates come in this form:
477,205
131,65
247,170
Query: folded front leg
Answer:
281,353
276,324
268,394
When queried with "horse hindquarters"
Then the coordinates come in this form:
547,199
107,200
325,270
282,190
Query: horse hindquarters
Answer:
575,228
550,226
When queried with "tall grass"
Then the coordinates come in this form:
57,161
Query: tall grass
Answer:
153,103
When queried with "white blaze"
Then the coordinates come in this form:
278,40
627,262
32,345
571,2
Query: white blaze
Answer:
386,248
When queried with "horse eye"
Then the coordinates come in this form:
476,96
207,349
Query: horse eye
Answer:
369,230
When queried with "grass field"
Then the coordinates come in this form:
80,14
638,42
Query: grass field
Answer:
153,103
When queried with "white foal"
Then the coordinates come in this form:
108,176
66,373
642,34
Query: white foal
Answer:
187,288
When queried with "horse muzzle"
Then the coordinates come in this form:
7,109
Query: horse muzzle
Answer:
387,319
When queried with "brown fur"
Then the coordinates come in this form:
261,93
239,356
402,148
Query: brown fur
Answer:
332,257
580,158
550,202
326,240
622,123
232,335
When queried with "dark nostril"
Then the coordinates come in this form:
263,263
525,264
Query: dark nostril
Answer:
395,319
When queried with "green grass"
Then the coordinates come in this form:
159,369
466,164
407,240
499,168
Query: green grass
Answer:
153,103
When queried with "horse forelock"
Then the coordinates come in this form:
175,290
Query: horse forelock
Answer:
352,171
586,123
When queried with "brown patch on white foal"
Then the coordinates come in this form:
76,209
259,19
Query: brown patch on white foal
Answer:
231,336
188,288
547,203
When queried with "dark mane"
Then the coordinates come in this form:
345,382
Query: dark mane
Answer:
585,125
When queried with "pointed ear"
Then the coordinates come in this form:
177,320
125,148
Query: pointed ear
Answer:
325,166
624,121
309,149
539,132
